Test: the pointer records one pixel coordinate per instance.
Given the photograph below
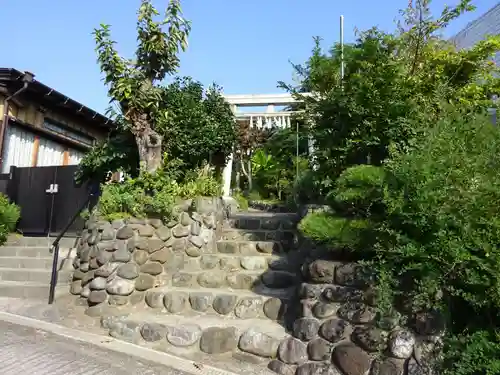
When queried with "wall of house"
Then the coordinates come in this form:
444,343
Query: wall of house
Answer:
25,148
487,24
30,114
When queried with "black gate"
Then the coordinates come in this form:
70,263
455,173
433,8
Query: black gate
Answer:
48,198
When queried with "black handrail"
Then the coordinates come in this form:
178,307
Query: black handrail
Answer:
94,191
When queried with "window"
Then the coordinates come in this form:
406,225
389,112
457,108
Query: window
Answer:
75,135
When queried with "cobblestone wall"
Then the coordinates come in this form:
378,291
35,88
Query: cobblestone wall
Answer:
118,261
338,330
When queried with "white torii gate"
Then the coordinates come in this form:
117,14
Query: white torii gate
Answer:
263,119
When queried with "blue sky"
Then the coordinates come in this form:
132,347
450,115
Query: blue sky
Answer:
243,45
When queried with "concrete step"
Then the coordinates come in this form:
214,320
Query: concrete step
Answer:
17,240
33,275
27,263
23,289
233,280
32,251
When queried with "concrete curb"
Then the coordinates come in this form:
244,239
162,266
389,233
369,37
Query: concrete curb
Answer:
110,343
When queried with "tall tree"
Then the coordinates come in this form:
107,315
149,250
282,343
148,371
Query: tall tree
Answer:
133,84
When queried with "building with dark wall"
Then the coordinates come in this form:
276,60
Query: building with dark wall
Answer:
477,30
40,126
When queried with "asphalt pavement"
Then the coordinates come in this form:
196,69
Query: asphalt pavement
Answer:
25,350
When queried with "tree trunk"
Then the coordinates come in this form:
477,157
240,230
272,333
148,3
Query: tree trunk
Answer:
149,146
250,180
148,142
247,172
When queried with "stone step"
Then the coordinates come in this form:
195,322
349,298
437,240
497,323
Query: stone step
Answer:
247,280
24,289
257,235
268,224
264,215
269,207
262,221
31,252
17,240
220,303
249,247
33,275
230,262
207,335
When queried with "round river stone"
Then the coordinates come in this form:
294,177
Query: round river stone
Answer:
128,271
258,343
175,302
216,340
305,329
185,335
292,351
152,332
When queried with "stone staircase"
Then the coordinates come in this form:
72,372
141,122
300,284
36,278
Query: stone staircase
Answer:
233,300
26,264
198,286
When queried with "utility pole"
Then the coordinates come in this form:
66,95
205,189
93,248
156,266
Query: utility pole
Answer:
342,50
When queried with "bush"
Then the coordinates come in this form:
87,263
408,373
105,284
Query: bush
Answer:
421,174
9,215
242,201
442,209
435,233
200,126
359,190
307,189
155,194
333,230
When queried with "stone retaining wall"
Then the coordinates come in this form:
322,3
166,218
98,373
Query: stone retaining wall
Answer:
117,262
339,331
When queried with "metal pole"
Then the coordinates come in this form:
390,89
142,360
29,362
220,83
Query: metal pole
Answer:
342,49
297,163
297,155
493,110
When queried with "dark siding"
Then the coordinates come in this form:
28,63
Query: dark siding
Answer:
487,24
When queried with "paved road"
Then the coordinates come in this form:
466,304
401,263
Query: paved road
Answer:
29,351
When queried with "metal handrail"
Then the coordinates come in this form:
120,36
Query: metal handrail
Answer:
55,245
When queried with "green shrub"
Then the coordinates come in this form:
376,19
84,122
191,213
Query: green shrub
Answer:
200,182
255,196
475,353
307,189
438,240
360,190
334,230
9,215
155,194
435,235
442,209
242,201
